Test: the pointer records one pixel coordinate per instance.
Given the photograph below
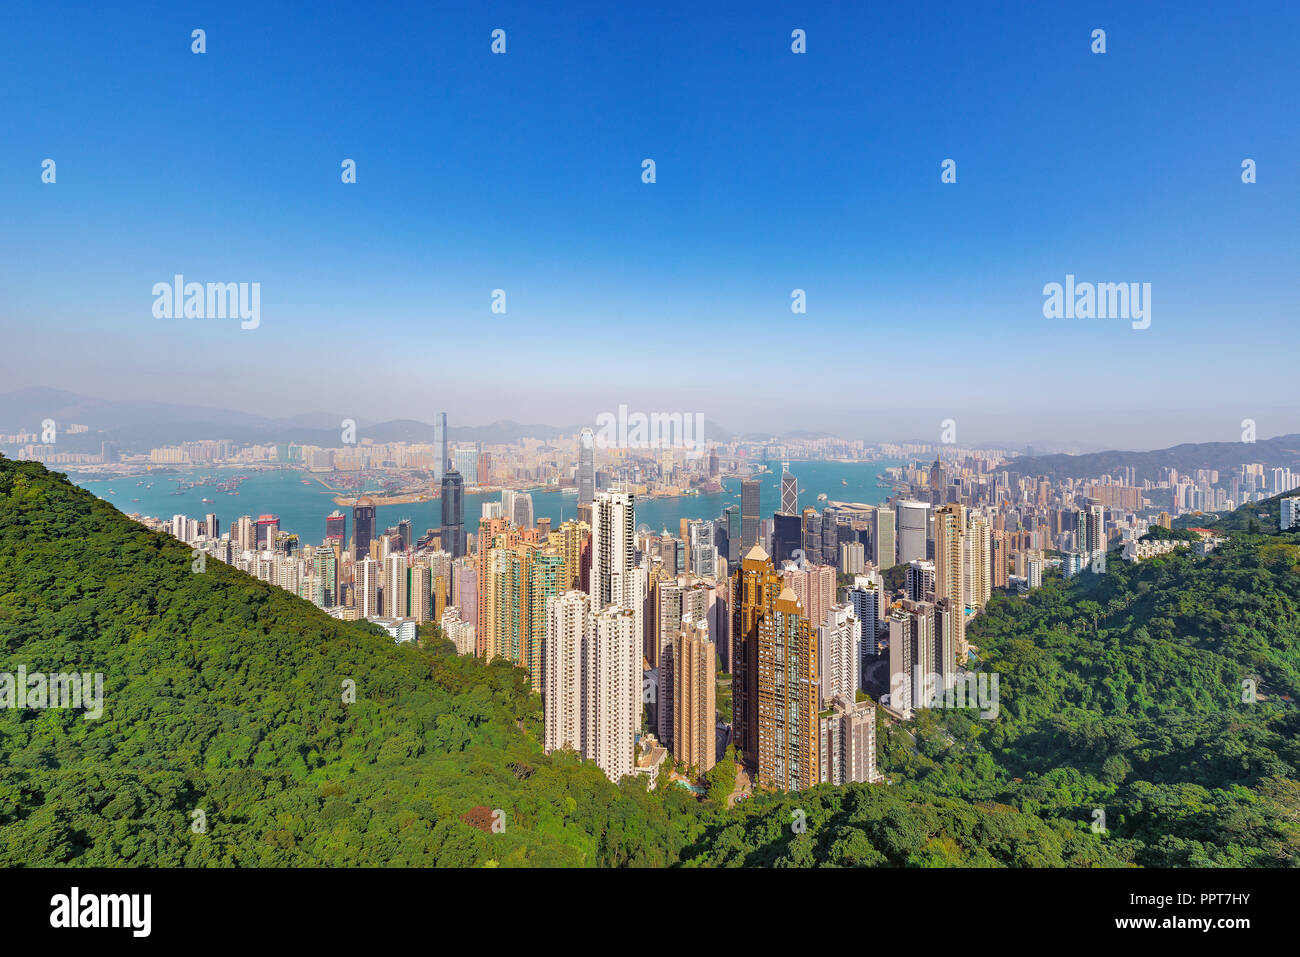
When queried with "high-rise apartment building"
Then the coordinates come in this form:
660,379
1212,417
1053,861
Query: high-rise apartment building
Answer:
848,742
755,584
788,698
694,682
839,654
949,568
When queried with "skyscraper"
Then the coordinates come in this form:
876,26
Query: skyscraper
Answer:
453,514
569,629
754,587
912,519
615,577
848,742
949,568
586,467
789,491
788,698
613,701
884,548
749,514
440,445
363,526
694,676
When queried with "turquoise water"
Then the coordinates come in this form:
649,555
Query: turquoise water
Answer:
302,508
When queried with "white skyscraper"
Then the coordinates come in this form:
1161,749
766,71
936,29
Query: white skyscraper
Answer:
613,702
569,630
616,579
839,653
912,518
1290,513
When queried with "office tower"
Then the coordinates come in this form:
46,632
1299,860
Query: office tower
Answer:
848,742
812,535
788,698
1289,516
694,679
440,447
1092,531
789,491
787,537
913,518
569,630
453,514
404,535
336,527
731,515
467,462
586,467
749,514
523,509
268,527
853,559
839,654
920,580
884,549
755,585
830,545
363,527
977,561
366,574
613,663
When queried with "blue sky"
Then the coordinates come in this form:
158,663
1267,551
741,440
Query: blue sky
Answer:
775,171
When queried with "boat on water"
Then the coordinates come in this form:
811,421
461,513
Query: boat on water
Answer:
844,481
135,500
822,497
208,501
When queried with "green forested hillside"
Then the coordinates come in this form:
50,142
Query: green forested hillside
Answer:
224,694
1124,692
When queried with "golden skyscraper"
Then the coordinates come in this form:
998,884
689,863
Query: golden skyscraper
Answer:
754,587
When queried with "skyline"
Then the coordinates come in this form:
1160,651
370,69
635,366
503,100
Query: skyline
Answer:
775,171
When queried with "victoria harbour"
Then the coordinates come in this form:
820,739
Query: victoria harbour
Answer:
303,503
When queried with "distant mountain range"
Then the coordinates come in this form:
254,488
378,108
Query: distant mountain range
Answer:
137,426
1284,450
